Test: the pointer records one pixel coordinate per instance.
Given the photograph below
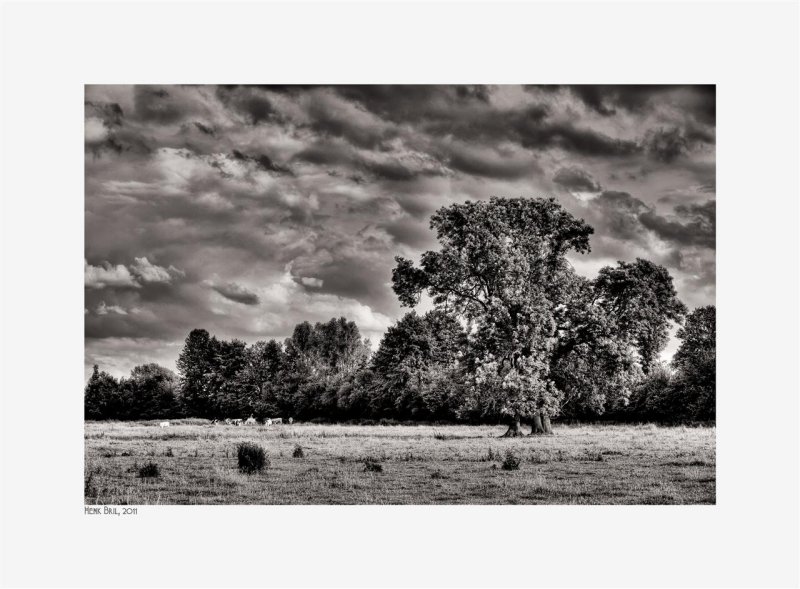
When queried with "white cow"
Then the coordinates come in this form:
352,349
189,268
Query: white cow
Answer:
291,421
250,421
228,421
164,424
236,421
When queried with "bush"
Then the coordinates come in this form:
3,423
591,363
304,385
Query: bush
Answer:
252,457
149,470
372,466
510,462
298,452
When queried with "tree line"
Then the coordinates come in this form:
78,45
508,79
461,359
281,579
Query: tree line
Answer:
515,336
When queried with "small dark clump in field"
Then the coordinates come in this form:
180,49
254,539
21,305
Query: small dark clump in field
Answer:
439,436
372,466
149,470
297,452
169,452
437,474
252,457
89,490
510,462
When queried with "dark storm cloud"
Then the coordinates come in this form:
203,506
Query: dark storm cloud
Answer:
689,225
573,139
251,102
237,293
248,209
467,113
262,161
413,103
607,100
628,218
576,179
490,163
327,153
340,119
156,105
619,215
109,112
666,145
203,128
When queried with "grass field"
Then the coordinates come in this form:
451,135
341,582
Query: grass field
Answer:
586,464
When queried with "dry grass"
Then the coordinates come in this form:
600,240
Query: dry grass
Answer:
420,465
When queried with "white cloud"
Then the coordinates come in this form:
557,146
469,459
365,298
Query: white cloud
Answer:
142,271
149,272
312,282
107,275
94,130
103,309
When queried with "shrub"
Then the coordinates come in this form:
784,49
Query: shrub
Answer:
149,470
372,466
297,452
510,462
251,457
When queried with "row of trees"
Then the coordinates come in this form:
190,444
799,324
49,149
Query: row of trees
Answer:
515,335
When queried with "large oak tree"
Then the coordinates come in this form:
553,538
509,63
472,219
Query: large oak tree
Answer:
539,334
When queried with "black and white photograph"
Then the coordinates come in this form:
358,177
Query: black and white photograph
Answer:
389,293
400,294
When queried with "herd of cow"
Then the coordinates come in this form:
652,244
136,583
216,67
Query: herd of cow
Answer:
249,421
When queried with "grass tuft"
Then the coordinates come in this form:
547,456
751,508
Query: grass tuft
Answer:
298,451
252,457
511,461
372,466
149,470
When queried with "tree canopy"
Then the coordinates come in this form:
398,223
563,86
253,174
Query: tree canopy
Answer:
533,323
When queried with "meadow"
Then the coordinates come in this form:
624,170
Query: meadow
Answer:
418,464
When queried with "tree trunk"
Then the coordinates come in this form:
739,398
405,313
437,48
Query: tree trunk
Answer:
513,429
546,425
536,426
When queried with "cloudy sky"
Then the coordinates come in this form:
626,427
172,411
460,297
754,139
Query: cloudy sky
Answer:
246,210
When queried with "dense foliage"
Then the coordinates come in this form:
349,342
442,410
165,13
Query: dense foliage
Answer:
515,335
540,337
